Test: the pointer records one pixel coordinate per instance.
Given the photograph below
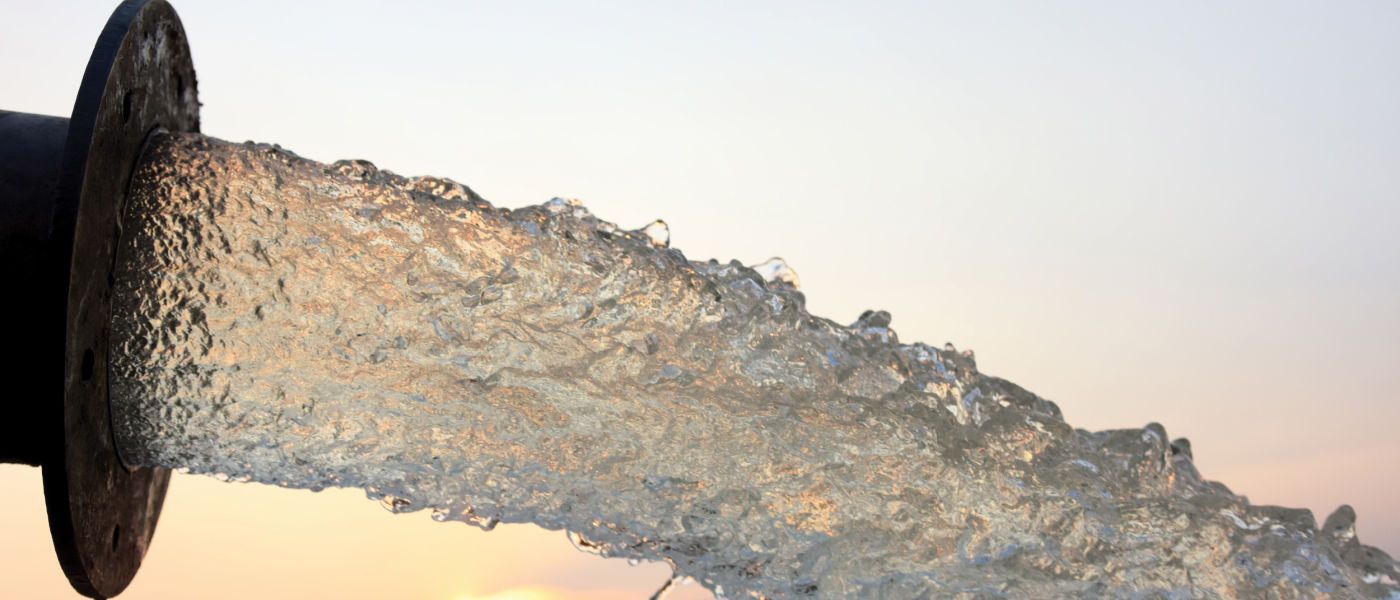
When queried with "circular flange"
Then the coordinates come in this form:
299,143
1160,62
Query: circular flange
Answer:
140,79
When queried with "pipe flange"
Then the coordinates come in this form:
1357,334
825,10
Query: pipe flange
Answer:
139,80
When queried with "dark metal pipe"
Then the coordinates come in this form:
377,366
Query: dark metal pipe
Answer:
31,158
63,186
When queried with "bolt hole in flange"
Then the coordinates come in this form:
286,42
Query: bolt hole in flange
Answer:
88,360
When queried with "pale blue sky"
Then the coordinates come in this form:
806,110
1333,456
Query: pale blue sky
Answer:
1180,212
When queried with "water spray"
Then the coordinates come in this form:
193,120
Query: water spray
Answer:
239,311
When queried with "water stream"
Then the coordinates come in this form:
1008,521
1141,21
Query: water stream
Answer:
308,325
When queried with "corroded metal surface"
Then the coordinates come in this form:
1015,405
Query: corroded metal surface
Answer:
313,325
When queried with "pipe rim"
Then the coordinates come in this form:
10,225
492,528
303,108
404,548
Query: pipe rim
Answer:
139,80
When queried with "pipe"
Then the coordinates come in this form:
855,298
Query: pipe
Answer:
31,153
63,185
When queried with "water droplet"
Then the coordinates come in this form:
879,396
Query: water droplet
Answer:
658,233
873,318
485,522
874,325
394,504
584,544
776,271
566,206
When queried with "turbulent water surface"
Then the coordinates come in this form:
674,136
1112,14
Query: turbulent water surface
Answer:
310,325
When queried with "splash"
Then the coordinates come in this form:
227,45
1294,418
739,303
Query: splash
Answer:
307,325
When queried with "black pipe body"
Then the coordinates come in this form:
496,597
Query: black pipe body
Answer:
32,256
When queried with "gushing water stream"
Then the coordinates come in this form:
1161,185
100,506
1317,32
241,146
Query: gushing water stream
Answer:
309,325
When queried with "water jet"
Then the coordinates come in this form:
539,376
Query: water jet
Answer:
269,318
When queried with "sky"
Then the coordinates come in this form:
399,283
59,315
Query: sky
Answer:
1174,212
